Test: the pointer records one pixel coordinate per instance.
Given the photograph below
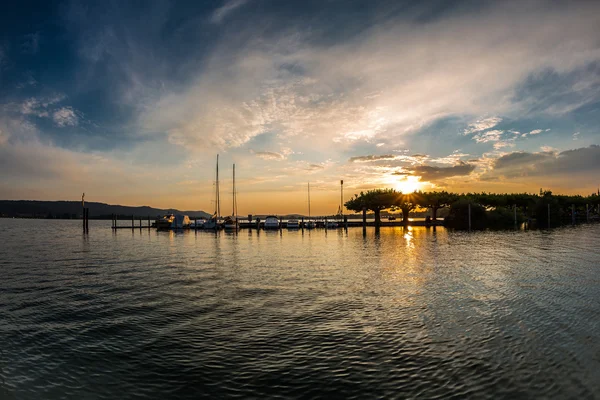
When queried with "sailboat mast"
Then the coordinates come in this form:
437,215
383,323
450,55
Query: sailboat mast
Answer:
218,210
233,208
309,200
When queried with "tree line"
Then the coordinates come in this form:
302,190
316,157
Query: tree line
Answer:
487,209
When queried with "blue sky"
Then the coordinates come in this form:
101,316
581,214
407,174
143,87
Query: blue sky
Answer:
131,101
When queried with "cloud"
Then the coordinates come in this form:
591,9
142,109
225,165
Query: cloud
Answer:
576,135
301,83
503,144
482,125
227,8
65,116
535,131
39,106
489,136
370,158
267,155
431,173
576,162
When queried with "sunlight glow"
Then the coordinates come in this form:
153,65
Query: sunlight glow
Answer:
409,184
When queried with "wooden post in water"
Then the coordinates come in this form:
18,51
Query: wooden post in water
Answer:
83,211
149,225
469,216
87,219
548,215
515,215
140,223
132,222
587,213
325,223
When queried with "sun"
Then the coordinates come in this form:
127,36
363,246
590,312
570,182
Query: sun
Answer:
409,184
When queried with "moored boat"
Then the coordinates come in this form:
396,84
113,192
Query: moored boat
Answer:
165,221
331,225
293,224
271,222
230,224
180,222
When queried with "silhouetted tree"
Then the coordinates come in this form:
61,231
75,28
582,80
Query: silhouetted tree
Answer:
374,200
407,203
436,200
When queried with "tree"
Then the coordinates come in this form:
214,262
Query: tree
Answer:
407,203
374,200
436,200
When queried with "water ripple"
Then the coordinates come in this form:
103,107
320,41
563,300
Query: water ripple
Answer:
410,313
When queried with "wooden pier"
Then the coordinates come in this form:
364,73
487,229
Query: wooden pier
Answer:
139,225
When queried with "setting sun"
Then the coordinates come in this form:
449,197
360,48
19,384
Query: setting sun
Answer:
409,184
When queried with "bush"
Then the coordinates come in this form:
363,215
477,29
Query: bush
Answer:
503,218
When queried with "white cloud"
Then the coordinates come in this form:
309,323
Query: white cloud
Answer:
489,136
65,116
536,131
268,155
39,106
576,135
482,125
230,6
503,144
249,88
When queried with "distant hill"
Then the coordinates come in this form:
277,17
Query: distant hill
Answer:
72,209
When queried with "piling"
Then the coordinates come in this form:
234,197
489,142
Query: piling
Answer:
132,222
548,216
515,208
587,213
469,216
573,214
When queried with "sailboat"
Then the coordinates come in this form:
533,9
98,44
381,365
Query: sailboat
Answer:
309,224
213,223
231,222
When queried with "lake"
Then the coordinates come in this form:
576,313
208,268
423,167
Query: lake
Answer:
404,313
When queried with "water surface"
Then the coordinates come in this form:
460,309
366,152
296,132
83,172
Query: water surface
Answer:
403,313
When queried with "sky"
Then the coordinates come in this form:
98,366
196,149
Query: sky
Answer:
130,102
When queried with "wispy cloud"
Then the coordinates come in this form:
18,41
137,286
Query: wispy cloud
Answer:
268,155
65,116
489,136
227,8
372,158
482,125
